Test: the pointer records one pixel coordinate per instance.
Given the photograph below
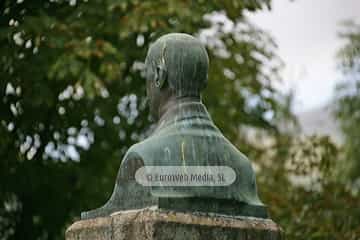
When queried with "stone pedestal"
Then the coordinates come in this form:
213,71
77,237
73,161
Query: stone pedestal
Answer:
155,224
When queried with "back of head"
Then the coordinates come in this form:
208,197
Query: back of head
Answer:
183,59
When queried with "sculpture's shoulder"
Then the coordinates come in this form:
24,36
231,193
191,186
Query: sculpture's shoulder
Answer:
194,147
139,155
131,162
146,150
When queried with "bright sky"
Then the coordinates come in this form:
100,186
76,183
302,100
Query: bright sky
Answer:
306,32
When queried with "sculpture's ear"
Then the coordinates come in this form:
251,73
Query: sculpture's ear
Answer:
161,74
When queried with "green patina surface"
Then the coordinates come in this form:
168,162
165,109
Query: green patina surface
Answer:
176,72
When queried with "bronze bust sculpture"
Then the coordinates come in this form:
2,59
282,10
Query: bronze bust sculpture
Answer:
176,73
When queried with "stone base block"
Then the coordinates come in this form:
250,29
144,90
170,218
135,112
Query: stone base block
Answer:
156,224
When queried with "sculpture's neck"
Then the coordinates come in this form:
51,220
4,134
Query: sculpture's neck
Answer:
174,101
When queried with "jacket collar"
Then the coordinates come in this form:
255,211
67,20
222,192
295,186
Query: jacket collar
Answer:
183,111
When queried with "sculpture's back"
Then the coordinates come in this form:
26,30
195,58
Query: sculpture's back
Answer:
185,139
189,138
176,72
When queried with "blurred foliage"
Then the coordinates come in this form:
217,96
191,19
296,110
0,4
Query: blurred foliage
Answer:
72,95
348,97
73,101
299,181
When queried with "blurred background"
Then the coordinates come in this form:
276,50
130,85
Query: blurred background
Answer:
284,87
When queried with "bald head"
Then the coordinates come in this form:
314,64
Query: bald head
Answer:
181,61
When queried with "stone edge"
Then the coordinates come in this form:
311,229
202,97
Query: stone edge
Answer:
158,215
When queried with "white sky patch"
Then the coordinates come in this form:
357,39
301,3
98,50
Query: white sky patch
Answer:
17,37
9,89
73,153
306,32
83,141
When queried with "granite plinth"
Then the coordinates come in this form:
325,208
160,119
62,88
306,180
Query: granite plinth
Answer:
157,224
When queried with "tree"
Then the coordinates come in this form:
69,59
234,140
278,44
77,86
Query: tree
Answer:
72,95
310,201
315,198
348,97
